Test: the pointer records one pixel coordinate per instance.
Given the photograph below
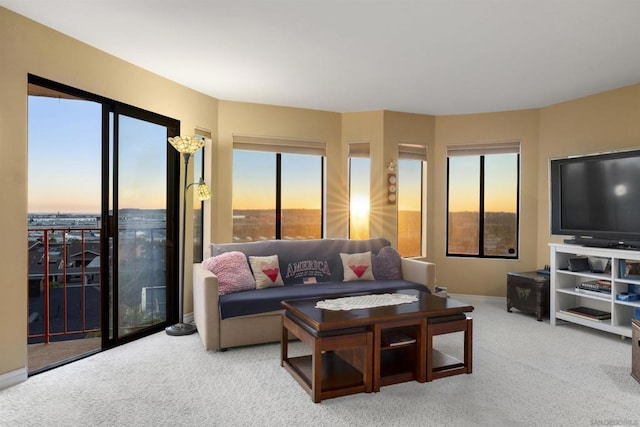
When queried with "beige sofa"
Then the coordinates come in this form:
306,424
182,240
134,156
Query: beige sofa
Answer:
220,334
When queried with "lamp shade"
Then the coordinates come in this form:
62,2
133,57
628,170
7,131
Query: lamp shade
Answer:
187,144
203,191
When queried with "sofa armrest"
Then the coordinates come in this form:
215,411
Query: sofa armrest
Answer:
423,272
206,311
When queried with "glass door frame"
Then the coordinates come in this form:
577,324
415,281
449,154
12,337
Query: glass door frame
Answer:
109,223
110,300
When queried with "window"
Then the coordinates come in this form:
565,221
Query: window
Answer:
410,207
359,190
482,200
301,196
277,188
410,197
254,195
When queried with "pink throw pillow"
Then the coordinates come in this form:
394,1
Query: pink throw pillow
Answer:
233,272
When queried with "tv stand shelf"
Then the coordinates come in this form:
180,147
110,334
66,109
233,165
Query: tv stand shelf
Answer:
564,282
604,243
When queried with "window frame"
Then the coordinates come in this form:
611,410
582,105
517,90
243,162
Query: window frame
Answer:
359,150
278,186
109,227
198,214
279,195
482,151
422,205
412,150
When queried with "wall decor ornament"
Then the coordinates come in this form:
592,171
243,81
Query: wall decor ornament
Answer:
392,188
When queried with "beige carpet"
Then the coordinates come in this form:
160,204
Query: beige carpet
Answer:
526,373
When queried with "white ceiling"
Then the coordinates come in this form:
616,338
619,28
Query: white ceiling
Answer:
420,56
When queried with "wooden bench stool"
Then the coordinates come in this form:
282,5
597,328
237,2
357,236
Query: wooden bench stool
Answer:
441,365
340,363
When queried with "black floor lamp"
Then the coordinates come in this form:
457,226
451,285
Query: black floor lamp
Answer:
186,145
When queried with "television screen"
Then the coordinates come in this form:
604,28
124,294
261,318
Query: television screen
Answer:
597,196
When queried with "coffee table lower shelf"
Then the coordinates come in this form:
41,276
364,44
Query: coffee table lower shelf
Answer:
339,378
397,365
443,363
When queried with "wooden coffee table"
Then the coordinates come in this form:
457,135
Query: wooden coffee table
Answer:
349,348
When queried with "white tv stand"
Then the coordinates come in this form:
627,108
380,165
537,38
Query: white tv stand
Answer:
564,282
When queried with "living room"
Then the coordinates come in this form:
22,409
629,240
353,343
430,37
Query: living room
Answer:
603,121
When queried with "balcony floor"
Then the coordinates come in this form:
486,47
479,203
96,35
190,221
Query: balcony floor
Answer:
43,355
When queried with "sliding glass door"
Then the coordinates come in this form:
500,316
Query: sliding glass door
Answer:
142,258
103,188
63,240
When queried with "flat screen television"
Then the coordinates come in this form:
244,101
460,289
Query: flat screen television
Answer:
596,199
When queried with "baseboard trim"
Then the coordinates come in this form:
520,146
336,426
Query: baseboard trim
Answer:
187,318
479,297
12,378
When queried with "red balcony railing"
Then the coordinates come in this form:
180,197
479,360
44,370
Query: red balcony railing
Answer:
64,283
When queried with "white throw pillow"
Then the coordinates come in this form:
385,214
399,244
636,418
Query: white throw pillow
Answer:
266,271
357,266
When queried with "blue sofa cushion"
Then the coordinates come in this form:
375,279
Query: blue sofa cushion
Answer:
299,259
264,300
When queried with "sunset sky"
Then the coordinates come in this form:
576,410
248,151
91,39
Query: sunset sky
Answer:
300,177
254,183
64,155
65,163
500,184
65,158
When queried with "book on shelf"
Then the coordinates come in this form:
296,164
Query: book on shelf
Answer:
592,292
587,313
596,285
393,339
579,316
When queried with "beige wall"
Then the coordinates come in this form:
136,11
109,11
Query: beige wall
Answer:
406,128
485,276
367,127
272,121
27,47
602,122
384,130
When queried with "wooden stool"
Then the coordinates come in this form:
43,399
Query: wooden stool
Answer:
441,365
327,372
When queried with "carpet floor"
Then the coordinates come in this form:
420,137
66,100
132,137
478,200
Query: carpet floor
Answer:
525,373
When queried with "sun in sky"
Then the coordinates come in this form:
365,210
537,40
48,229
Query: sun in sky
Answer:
360,206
